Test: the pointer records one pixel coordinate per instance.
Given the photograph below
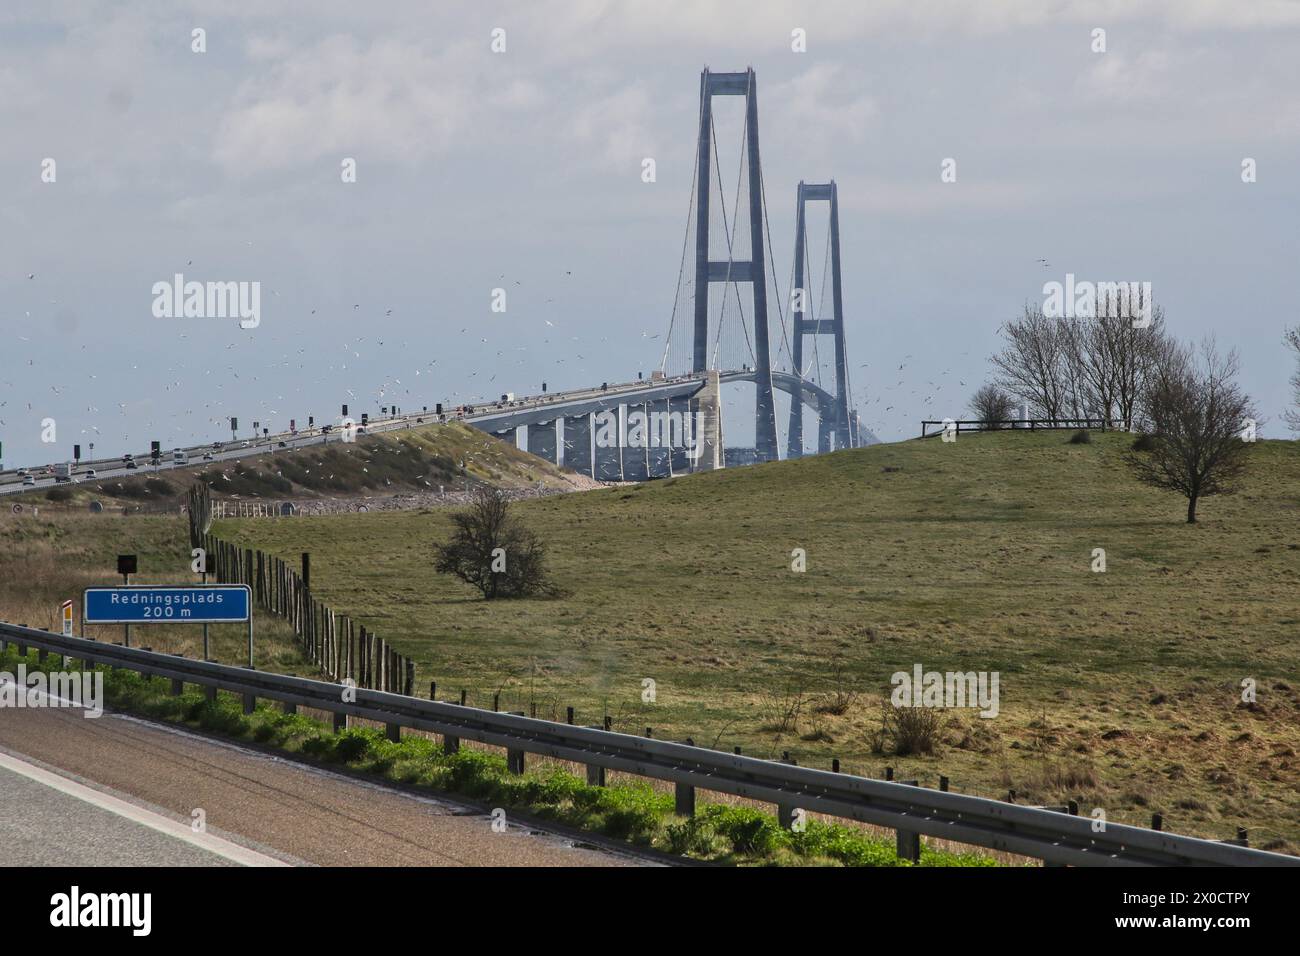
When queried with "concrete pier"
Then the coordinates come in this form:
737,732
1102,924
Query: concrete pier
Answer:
659,456
577,444
708,401
542,441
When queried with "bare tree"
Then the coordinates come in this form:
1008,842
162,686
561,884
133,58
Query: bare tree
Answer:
1084,367
1292,415
1031,366
1196,414
991,404
1136,353
490,550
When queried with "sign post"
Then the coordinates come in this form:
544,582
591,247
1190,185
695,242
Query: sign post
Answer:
206,654
171,604
126,566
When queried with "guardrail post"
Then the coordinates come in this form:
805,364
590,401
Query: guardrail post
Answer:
41,655
684,803
515,758
250,703
393,732
22,650
290,707
907,843
595,774
450,745
210,692
178,687
340,722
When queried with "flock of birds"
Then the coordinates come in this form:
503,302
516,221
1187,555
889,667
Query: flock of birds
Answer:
281,371
285,370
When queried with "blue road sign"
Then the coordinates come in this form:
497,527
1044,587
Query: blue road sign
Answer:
148,604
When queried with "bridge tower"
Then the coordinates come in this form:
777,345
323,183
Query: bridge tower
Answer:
753,271
834,326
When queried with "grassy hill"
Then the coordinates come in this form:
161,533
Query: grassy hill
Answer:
422,458
1120,689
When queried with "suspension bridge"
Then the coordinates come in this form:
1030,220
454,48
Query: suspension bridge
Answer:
730,323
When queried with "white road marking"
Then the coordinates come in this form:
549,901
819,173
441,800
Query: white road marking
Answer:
154,821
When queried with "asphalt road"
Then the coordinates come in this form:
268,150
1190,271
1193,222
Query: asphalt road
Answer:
142,783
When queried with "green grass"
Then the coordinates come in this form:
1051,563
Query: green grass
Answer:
635,812
1121,690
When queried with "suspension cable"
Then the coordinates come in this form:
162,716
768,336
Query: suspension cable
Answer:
780,305
686,239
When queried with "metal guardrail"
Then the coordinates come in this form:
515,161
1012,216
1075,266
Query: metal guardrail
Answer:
1047,835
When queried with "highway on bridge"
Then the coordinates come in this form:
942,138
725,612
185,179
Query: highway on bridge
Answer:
490,415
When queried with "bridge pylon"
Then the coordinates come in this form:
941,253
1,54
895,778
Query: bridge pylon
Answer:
753,271
840,423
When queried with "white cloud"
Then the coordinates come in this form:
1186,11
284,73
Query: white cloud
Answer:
386,100
617,126
1119,78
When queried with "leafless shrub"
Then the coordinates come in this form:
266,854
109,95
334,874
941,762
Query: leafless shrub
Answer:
492,551
991,404
844,694
783,709
914,730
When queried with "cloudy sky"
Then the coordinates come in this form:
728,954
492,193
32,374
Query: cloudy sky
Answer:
522,169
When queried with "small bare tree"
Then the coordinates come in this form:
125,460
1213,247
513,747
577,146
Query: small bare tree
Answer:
490,550
991,404
1292,415
1196,414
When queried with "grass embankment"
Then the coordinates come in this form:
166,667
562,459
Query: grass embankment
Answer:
424,458
1120,689
631,811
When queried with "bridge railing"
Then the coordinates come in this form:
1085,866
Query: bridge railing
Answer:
1048,835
